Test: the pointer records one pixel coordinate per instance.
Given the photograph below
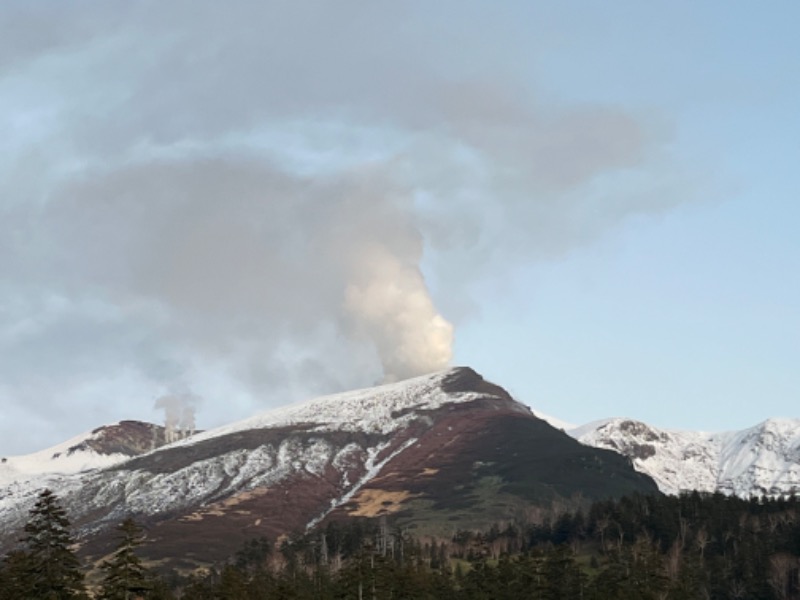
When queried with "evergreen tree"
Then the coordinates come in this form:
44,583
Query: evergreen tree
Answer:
562,577
125,577
14,576
254,554
52,569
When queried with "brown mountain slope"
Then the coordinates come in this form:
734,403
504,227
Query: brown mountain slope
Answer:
437,454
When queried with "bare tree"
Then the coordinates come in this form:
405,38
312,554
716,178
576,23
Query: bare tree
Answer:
783,575
702,540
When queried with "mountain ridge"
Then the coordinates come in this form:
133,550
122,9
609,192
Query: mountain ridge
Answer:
436,453
760,460
757,460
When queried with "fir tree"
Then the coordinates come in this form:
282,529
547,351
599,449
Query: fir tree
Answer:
125,576
14,576
52,568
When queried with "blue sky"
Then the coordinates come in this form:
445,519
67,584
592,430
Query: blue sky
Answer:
689,319
703,335
593,204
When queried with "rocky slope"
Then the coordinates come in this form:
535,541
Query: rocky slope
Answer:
436,453
764,459
101,447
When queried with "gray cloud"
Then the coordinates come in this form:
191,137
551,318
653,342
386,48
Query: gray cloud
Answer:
240,198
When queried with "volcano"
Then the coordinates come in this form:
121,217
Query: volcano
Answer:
435,454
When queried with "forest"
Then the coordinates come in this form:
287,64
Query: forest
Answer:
694,546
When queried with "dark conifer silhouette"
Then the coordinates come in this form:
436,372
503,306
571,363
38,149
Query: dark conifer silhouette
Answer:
14,578
51,568
686,547
125,578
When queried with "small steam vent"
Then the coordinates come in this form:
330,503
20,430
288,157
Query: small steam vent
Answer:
179,416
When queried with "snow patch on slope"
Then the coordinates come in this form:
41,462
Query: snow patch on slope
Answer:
87,485
372,470
383,409
554,421
62,459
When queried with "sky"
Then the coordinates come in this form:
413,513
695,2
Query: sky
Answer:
208,210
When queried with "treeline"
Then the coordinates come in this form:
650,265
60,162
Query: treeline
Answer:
695,546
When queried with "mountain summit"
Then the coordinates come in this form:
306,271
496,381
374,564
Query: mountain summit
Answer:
435,454
760,460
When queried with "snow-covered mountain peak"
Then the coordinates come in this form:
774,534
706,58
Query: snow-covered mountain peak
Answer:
72,456
764,459
100,448
622,433
411,447
783,432
382,409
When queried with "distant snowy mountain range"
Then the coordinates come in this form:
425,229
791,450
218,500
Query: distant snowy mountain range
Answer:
760,460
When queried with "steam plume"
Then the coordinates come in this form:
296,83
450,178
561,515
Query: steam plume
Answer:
179,415
390,304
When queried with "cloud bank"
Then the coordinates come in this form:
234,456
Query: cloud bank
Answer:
257,200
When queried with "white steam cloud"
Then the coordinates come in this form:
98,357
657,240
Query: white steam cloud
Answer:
179,415
390,304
